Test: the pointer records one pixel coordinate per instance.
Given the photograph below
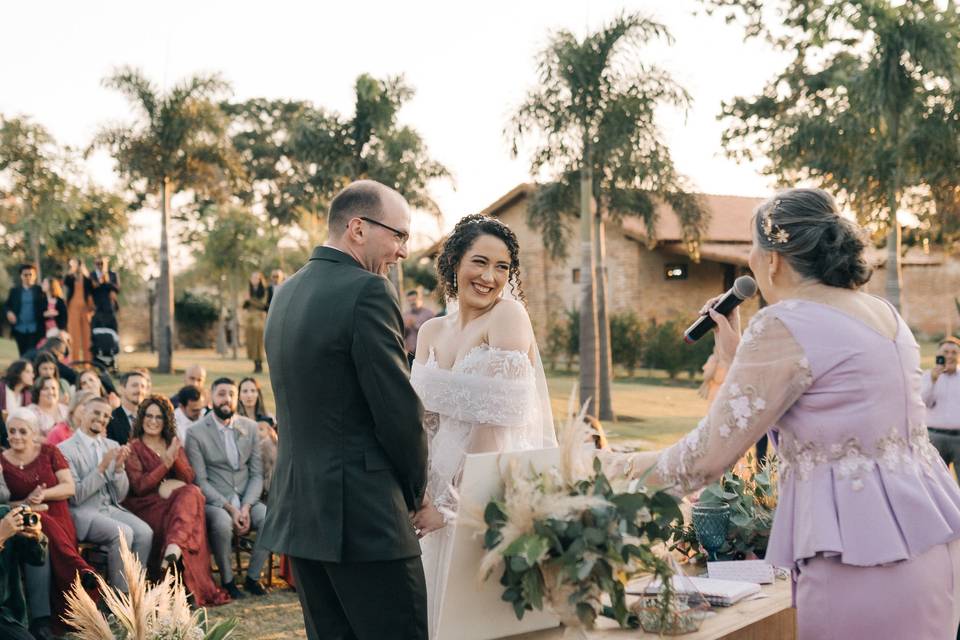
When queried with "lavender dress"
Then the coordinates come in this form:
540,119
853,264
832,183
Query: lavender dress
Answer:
868,515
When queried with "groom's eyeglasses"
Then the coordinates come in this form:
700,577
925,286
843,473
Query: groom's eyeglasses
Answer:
401,236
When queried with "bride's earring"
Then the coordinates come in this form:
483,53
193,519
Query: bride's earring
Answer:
455,282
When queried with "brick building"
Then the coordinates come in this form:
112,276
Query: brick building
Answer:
664,283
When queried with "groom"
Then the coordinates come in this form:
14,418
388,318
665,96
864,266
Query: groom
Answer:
352,461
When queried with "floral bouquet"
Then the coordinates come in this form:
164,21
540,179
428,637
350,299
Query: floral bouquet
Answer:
157,612
570,538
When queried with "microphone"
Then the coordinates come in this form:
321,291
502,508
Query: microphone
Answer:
743,287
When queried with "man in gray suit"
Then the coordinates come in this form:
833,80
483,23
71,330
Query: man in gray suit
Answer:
351,465
224,450
97,465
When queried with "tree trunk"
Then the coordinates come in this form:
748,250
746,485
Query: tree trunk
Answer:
894,272
235,296
165,317
589,364
605,404
894,280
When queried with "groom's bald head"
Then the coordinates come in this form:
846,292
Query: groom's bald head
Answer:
363,198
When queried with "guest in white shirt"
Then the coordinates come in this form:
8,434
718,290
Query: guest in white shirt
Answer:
189,409
100,477
941,394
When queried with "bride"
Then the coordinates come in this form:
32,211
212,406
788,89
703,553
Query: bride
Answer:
480,378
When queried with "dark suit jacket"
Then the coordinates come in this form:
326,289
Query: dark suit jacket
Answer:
352,455
39,305
119,428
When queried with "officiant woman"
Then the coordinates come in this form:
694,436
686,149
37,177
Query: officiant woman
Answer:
868,517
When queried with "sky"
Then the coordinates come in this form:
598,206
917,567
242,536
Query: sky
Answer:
471,64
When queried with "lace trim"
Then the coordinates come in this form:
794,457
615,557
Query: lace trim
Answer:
738,411
852,459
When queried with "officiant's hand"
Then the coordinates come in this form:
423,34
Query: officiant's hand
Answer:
427,520
728,331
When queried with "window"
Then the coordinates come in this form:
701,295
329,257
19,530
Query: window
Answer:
576,276
675,272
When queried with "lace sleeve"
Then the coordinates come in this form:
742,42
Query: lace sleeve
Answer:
768,374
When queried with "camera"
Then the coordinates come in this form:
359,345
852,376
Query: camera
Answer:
30,519
941,360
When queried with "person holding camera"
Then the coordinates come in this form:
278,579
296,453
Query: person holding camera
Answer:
21,540
941,393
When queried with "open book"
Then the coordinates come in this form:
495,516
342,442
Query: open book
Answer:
719,593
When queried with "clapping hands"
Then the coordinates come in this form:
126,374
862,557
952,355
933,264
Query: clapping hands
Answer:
170,455
37,495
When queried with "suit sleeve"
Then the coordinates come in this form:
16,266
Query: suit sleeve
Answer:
87,485
8,303
254,488
380,360
195,454
61,314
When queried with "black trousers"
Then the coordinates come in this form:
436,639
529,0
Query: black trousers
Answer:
25,341
362,600
14,632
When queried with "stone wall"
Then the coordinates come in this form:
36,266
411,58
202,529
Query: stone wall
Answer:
635,275
929,291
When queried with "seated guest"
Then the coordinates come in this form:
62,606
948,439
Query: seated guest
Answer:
59,347
940,390
64,430
134,387
162,495
45,364
189,409
194,376
47,406
91,380
18,544
99,473
225,454
15,392
252,406
37,474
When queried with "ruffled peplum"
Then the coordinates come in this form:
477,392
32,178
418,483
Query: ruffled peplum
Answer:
870,507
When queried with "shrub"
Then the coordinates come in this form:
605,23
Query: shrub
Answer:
195,314
558,341
664,347
626,340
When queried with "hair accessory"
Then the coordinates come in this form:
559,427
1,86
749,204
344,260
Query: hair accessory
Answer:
774,232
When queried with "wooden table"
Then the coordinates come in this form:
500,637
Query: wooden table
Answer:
769,618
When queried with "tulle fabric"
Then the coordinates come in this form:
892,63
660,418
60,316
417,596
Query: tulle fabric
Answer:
492,400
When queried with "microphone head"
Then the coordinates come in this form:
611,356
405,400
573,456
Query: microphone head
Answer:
744,287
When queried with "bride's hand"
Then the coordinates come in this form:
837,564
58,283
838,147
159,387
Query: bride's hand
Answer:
427,520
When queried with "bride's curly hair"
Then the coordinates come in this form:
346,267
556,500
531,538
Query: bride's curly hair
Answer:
461,238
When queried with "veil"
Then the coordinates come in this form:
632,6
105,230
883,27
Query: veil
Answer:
545,432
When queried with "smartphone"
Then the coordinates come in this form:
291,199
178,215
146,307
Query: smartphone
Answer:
941,360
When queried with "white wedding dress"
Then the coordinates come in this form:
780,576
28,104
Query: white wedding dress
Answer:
491,400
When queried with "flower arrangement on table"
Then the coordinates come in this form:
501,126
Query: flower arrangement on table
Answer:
752,498
570,538
148,612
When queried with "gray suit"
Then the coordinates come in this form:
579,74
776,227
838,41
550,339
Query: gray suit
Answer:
221,483
96,509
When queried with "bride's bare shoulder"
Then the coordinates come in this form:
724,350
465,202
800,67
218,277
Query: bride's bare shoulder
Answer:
427,336
510,327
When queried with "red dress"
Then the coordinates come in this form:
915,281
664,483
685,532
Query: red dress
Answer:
177,520
57,524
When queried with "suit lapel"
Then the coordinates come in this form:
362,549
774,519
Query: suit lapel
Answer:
213,431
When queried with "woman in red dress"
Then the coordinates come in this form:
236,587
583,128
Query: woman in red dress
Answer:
161,494
38,474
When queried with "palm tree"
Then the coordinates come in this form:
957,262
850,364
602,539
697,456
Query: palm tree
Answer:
853,110
593,117
177,144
